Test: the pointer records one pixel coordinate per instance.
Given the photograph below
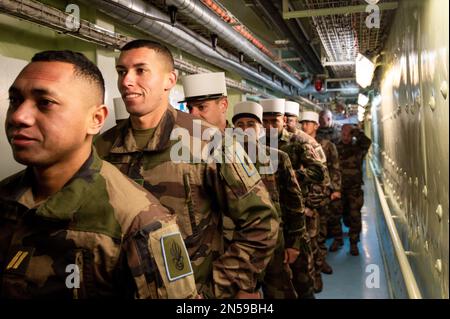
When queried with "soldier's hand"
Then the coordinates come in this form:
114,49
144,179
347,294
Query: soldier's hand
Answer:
290,255
335,195
309,212
248,295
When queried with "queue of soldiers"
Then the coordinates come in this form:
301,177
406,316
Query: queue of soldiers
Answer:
113,215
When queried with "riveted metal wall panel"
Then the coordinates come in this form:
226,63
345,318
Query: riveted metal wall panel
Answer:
412,142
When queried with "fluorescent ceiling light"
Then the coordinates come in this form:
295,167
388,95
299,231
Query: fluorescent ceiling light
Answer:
362,99
364,70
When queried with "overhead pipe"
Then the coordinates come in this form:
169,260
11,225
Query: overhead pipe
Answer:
296,38
55,19
208,19
152,21
224,15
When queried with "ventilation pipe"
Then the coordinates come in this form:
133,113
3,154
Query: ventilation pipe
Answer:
152,21
211,21
55,19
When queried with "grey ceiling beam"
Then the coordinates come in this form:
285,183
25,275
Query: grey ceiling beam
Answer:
333,10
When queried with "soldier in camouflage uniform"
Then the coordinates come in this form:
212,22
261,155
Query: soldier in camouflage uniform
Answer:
310,124
328,129
352,149
286,194
199,192
311,172
71,225
318,193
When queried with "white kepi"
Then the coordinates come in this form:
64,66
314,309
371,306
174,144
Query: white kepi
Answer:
291,108
204,86
310,117
273,105
247,109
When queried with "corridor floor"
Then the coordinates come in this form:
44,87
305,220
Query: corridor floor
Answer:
363,276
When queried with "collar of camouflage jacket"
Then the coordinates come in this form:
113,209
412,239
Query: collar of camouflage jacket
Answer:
126,143
285,136
61,205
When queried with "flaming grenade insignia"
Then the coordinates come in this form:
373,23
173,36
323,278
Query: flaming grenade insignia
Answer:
177,257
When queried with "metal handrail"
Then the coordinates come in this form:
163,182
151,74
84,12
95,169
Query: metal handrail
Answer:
408,276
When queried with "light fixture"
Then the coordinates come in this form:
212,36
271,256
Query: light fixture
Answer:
362,99
361,112
364,70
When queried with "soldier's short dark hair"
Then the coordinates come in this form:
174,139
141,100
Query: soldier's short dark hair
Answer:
152,45
82,65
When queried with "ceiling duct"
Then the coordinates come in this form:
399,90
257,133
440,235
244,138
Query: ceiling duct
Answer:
55,19
228,34
292,32
152,21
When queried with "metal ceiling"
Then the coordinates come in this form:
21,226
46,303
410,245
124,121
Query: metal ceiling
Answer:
302,43
343,36
309,45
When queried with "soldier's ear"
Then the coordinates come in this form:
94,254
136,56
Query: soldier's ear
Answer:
97,119
224,104
171,80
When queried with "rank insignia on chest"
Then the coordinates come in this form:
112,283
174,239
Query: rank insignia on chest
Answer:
19,259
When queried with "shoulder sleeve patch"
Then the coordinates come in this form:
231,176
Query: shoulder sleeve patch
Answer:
172,260
320,153
175,256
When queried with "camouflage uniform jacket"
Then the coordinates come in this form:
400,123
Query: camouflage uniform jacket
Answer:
308,159
102,227
332,133
306,139
334,169
200,193
286,195
351,157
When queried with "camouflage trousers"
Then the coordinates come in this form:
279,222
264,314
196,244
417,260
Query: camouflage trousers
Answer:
304,273
334,219
324,216
277,282
352,200
313,227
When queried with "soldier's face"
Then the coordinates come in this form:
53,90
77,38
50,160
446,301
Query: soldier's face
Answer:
49,114
291,123
144,81
309,127
325,119
212,111
273,121
346,134
249,124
